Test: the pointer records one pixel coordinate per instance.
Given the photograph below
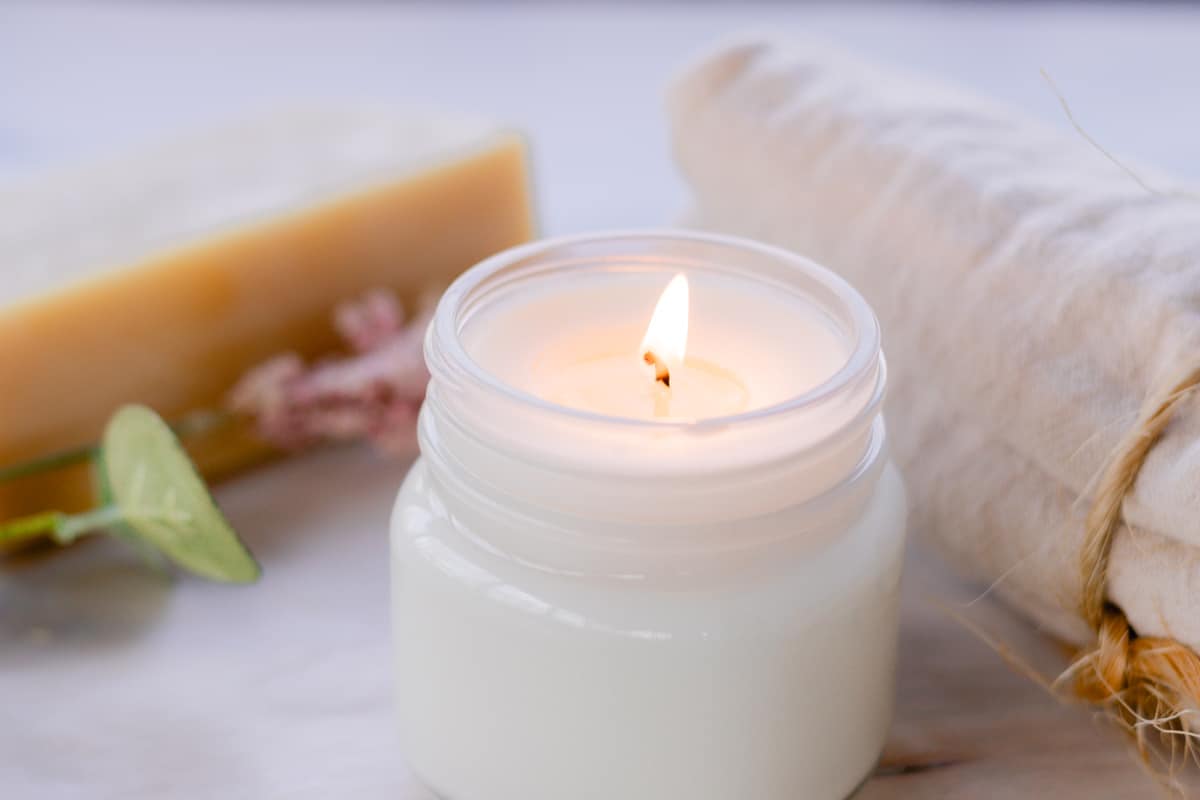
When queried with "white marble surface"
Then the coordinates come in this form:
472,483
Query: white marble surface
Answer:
116,684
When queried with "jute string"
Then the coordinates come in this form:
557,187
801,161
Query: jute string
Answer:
1150,682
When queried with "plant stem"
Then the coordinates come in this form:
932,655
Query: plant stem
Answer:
76,525
62,528
193,424
32,527
62,458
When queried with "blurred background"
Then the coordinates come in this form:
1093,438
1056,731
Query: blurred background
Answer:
584,80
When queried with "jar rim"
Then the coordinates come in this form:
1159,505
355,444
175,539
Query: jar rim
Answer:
448,356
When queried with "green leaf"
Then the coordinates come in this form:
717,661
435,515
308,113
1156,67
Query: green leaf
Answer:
164,502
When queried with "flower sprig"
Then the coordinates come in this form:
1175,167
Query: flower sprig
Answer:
151,494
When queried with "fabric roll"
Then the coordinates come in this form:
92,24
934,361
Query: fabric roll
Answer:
1032,295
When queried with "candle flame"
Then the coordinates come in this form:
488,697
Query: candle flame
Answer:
666,337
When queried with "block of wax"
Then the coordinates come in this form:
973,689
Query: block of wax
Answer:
161,278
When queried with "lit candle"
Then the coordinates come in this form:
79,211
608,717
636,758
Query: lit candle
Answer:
656,380
653,543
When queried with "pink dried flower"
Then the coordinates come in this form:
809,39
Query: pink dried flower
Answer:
374,393
368,322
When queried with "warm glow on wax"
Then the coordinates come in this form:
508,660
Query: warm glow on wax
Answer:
601,372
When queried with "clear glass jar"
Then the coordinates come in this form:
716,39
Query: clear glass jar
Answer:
594,607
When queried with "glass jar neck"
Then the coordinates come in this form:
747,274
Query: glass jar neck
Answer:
615,527
501,445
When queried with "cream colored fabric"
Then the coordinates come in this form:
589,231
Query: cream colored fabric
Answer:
1031,295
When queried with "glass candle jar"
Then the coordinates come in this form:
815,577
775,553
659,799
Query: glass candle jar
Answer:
594,606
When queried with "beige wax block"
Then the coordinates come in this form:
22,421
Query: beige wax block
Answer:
160,279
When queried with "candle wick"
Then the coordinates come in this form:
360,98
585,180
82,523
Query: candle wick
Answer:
661,372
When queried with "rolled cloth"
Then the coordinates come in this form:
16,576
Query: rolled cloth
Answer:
1034,299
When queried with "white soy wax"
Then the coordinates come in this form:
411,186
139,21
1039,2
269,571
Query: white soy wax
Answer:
597,595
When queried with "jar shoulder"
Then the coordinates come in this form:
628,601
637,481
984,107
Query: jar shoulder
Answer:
436,556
